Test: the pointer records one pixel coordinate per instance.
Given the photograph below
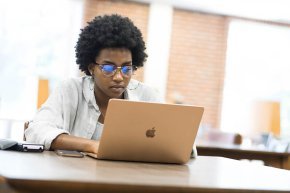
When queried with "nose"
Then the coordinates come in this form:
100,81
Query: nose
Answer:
118,77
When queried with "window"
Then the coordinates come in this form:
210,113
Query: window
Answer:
37,41
257,69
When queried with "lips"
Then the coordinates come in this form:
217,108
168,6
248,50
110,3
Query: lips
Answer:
117,88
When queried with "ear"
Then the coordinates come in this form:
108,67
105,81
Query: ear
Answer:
91,68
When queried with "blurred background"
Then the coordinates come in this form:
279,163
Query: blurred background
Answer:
232,57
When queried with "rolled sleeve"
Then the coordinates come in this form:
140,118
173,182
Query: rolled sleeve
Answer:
43,133
49,121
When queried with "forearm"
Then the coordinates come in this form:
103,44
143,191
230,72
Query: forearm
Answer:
69,142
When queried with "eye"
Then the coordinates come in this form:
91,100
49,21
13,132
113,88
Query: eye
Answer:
126,69
108,67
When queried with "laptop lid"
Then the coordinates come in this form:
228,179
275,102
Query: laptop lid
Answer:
149,132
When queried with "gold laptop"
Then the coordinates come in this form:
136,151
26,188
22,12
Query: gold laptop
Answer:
149,132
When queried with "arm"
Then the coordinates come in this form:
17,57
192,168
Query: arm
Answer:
55,118
48,121
69,142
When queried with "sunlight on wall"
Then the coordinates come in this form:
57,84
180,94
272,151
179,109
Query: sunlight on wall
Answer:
160,18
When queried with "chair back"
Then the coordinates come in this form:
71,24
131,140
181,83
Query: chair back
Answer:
26,125
223,137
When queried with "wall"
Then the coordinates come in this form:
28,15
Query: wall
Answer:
197,55
197,62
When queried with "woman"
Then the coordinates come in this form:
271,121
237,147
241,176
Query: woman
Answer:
108,51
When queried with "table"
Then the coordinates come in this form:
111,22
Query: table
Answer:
270,158
46,172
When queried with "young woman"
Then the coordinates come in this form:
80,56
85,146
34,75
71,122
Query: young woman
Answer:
108,51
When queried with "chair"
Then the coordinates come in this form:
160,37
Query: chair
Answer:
43,92
223,137
26,125
218,143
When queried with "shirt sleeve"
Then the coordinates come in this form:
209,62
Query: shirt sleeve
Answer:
149,94
48,121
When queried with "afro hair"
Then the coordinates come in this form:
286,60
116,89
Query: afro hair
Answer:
109,31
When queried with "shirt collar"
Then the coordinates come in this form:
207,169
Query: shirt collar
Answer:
88,91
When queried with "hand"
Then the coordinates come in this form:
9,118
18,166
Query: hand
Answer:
69,142
94,146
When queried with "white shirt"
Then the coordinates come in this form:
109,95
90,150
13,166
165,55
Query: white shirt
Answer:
72,109
98,132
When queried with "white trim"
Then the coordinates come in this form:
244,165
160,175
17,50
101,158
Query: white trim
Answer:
158,46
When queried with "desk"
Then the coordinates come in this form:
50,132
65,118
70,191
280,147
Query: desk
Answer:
47,172
270,158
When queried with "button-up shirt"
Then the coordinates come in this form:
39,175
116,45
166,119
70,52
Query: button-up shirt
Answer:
72,109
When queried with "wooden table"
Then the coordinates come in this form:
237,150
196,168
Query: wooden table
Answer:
47,172
270,158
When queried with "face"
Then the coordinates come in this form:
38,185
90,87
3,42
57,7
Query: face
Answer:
113,86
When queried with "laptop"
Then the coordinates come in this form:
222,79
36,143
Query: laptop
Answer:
148,132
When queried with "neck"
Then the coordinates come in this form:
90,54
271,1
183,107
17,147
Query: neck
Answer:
102,100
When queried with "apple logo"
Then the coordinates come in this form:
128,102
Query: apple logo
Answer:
150,132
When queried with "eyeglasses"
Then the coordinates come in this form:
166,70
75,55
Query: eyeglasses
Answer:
111,69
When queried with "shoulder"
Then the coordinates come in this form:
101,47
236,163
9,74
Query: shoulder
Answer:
72,84
71,88
143,92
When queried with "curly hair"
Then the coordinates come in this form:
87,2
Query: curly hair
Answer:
109,31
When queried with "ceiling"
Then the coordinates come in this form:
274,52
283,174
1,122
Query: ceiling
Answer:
271,10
